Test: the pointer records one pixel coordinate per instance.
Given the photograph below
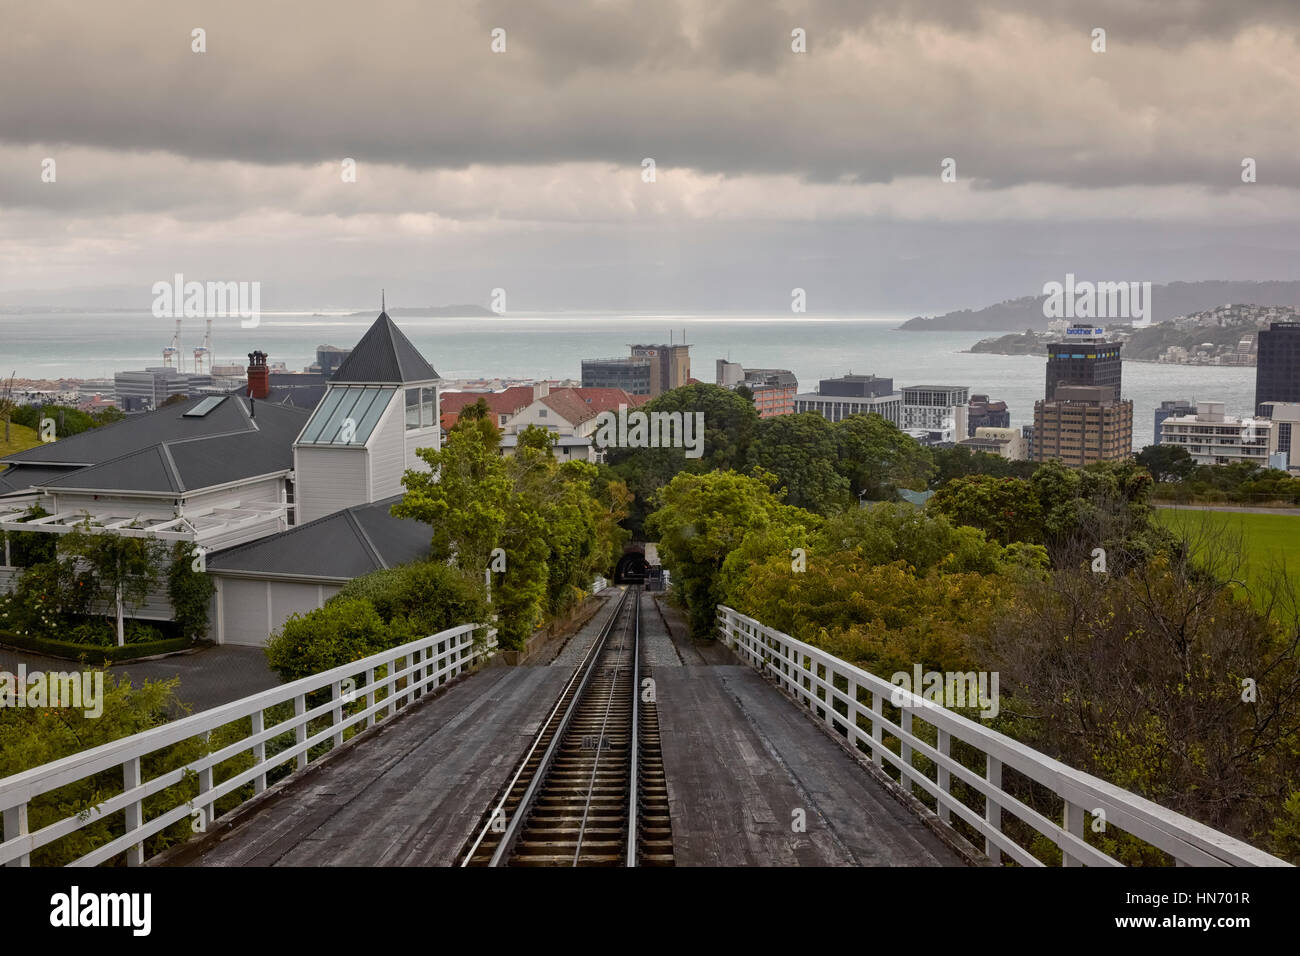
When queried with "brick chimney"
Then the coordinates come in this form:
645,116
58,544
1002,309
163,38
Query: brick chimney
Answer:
541,390
259,376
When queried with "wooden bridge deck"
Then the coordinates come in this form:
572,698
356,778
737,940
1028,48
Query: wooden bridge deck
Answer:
739,758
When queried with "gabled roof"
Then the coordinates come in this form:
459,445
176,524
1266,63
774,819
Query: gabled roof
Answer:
165,452
507,402
384,355
577,405
342,545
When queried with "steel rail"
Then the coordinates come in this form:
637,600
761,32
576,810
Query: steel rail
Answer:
581,672
604,726
634,785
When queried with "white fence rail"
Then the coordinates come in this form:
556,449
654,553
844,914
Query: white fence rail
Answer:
811,676
412,670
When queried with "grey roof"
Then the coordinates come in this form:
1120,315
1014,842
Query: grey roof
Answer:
384,355
166,453
299,396
19,478
345,544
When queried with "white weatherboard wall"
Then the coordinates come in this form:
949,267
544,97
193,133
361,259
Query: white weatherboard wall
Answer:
387,448
248,611
329,479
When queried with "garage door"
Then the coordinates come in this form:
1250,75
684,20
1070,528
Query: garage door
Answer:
243,612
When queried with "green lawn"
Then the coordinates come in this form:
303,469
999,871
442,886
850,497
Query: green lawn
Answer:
20,438
1267,542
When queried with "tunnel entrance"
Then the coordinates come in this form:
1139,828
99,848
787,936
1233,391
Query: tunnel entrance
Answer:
631,568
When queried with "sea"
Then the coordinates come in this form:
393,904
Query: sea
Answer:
552,345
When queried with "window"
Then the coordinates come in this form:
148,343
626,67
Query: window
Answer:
419,407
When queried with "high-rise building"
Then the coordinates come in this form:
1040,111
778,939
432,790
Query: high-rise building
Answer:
1277,368
982,413
1286,421
670,365
1174,407
1082,418
1082,424
1083,358
649,370
328,359
937,408
1213,438
773,389
838,398
632,375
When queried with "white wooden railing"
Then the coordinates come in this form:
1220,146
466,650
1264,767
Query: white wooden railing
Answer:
418,667
809,675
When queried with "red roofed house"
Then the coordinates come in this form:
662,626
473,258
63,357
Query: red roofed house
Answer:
503,404
571,414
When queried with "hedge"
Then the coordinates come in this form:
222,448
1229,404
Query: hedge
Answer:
93,653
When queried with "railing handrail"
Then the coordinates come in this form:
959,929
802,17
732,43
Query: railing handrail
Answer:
22,787
1076,787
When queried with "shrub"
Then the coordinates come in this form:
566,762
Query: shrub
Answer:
340,632
190,592
429,595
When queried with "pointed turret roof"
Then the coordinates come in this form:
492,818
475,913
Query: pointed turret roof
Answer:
384,355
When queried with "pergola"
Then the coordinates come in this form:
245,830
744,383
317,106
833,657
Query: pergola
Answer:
200,526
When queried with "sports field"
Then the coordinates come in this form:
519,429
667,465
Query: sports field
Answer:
1267,541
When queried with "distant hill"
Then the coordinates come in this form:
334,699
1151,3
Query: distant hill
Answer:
1168,301
451,311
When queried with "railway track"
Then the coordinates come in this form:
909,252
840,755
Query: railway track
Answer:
590,789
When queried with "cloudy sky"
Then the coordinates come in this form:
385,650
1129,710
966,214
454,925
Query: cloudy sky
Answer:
523,169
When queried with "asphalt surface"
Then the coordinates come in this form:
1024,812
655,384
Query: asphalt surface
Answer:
209,677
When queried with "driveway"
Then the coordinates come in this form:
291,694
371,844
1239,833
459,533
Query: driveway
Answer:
212,676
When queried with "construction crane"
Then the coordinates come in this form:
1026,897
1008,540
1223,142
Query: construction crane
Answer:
172,353
203,353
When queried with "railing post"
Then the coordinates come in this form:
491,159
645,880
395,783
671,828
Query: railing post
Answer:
370,696
134,812
1073,823
206,809
336,693
15,822
905,749
945,778
392,686
300,727
993,809
877,710
259,751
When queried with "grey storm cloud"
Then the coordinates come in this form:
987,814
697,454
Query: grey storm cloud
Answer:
887,89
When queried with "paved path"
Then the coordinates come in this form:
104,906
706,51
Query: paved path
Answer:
1239,509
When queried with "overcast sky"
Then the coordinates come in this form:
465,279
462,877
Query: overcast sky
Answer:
523,169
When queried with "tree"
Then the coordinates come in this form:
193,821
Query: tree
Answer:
877,458
802,451
1005,509
959,461
700,520
125,568
1162,680
537,530
730,422
1166,462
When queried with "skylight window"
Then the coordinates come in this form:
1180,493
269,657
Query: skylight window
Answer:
202,408
347,415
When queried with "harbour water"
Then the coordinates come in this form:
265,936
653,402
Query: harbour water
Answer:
552,345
